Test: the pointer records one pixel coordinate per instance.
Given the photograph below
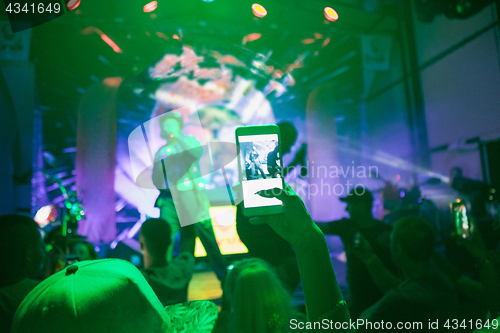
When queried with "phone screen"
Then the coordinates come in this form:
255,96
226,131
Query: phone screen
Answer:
461,220
261,168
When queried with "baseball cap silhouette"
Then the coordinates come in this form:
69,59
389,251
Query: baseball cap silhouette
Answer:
109,295
358,194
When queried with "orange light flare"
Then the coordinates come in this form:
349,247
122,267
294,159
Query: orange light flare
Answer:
317,35
331,14
112,44
251,37
149,7
112,82
259,10
175,37
325,42
104,37
308,41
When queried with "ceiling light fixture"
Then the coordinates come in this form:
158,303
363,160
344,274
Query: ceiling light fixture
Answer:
259,10
331,14
149,7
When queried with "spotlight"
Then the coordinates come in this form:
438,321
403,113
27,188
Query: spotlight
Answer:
45,215
259,10
331,14
149,7
72,4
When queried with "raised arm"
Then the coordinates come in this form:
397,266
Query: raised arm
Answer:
488,275
381,275
321,291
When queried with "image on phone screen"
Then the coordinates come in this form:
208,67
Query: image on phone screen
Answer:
260,168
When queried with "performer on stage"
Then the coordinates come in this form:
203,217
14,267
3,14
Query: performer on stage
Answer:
189,201
254,159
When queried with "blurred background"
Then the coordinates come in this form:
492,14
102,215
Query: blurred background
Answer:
390,94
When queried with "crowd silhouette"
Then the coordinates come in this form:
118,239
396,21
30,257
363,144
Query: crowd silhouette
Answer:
402,274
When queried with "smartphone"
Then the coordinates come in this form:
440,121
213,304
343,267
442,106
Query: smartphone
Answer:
260,168
459,211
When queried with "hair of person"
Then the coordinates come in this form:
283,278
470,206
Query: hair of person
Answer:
417,238
156,233
256,296
20,248
288,131
89,246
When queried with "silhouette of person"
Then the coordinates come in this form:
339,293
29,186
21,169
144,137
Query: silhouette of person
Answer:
20,257
257,164
179,158
363,292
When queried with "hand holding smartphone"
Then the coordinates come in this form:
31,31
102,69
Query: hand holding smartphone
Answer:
462,225
260,168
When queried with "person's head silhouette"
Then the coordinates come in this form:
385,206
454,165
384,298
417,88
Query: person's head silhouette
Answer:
20,249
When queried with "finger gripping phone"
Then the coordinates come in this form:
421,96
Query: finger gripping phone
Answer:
260,168
462,225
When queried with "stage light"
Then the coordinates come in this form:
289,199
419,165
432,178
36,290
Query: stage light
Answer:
108,41
331,14
308,41
259,10
325,42
72,4
149,7
45,215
